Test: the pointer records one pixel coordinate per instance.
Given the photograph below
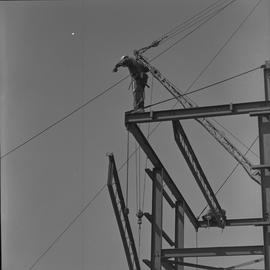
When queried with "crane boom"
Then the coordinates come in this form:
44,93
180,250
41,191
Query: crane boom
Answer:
219,136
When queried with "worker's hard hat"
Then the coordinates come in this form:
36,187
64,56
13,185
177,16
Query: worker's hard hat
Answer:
124,57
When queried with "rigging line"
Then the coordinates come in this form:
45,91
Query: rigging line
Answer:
235,137
165,38
139,174
144,181
238,163
139,244
190,19
224,45
191,24
230,174
64,117
148,132
136,173
188,34
67,227
204,87
127,183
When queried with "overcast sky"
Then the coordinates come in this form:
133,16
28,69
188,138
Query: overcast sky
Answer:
56,55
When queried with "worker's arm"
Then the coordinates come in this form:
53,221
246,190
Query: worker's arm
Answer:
116,67
119,64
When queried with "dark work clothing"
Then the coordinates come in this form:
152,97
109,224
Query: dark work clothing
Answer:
139,79
138,95
135,68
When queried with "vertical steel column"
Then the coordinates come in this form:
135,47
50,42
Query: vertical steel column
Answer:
179,230
157,213
264,138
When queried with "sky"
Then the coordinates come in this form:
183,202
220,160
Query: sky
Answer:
57,55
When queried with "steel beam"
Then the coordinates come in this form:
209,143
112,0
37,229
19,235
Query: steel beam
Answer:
198,112
164,234
197,266
261,167
198,173
150,153
121,214
264,142
157,214
212,251
179,231
236,222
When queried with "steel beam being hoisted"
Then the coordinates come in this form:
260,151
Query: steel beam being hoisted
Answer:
121,214
183,143
207,124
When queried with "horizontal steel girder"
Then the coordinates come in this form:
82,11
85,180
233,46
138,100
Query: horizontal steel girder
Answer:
237,222
150,153
198,112
212,251
195,266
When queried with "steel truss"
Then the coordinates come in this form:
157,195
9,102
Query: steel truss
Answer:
173,258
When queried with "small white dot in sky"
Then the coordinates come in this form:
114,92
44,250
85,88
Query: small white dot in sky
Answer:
73,33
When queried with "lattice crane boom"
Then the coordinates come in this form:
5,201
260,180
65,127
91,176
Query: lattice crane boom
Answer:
218,135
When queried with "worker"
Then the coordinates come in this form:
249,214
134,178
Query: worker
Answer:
139,79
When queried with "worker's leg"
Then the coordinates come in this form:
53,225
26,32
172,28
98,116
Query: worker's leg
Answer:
138,97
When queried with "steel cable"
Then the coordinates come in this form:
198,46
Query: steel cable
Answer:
204,87
230,174
67,227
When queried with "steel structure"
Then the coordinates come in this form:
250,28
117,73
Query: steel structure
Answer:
173,258
210,127
253,108
264,140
